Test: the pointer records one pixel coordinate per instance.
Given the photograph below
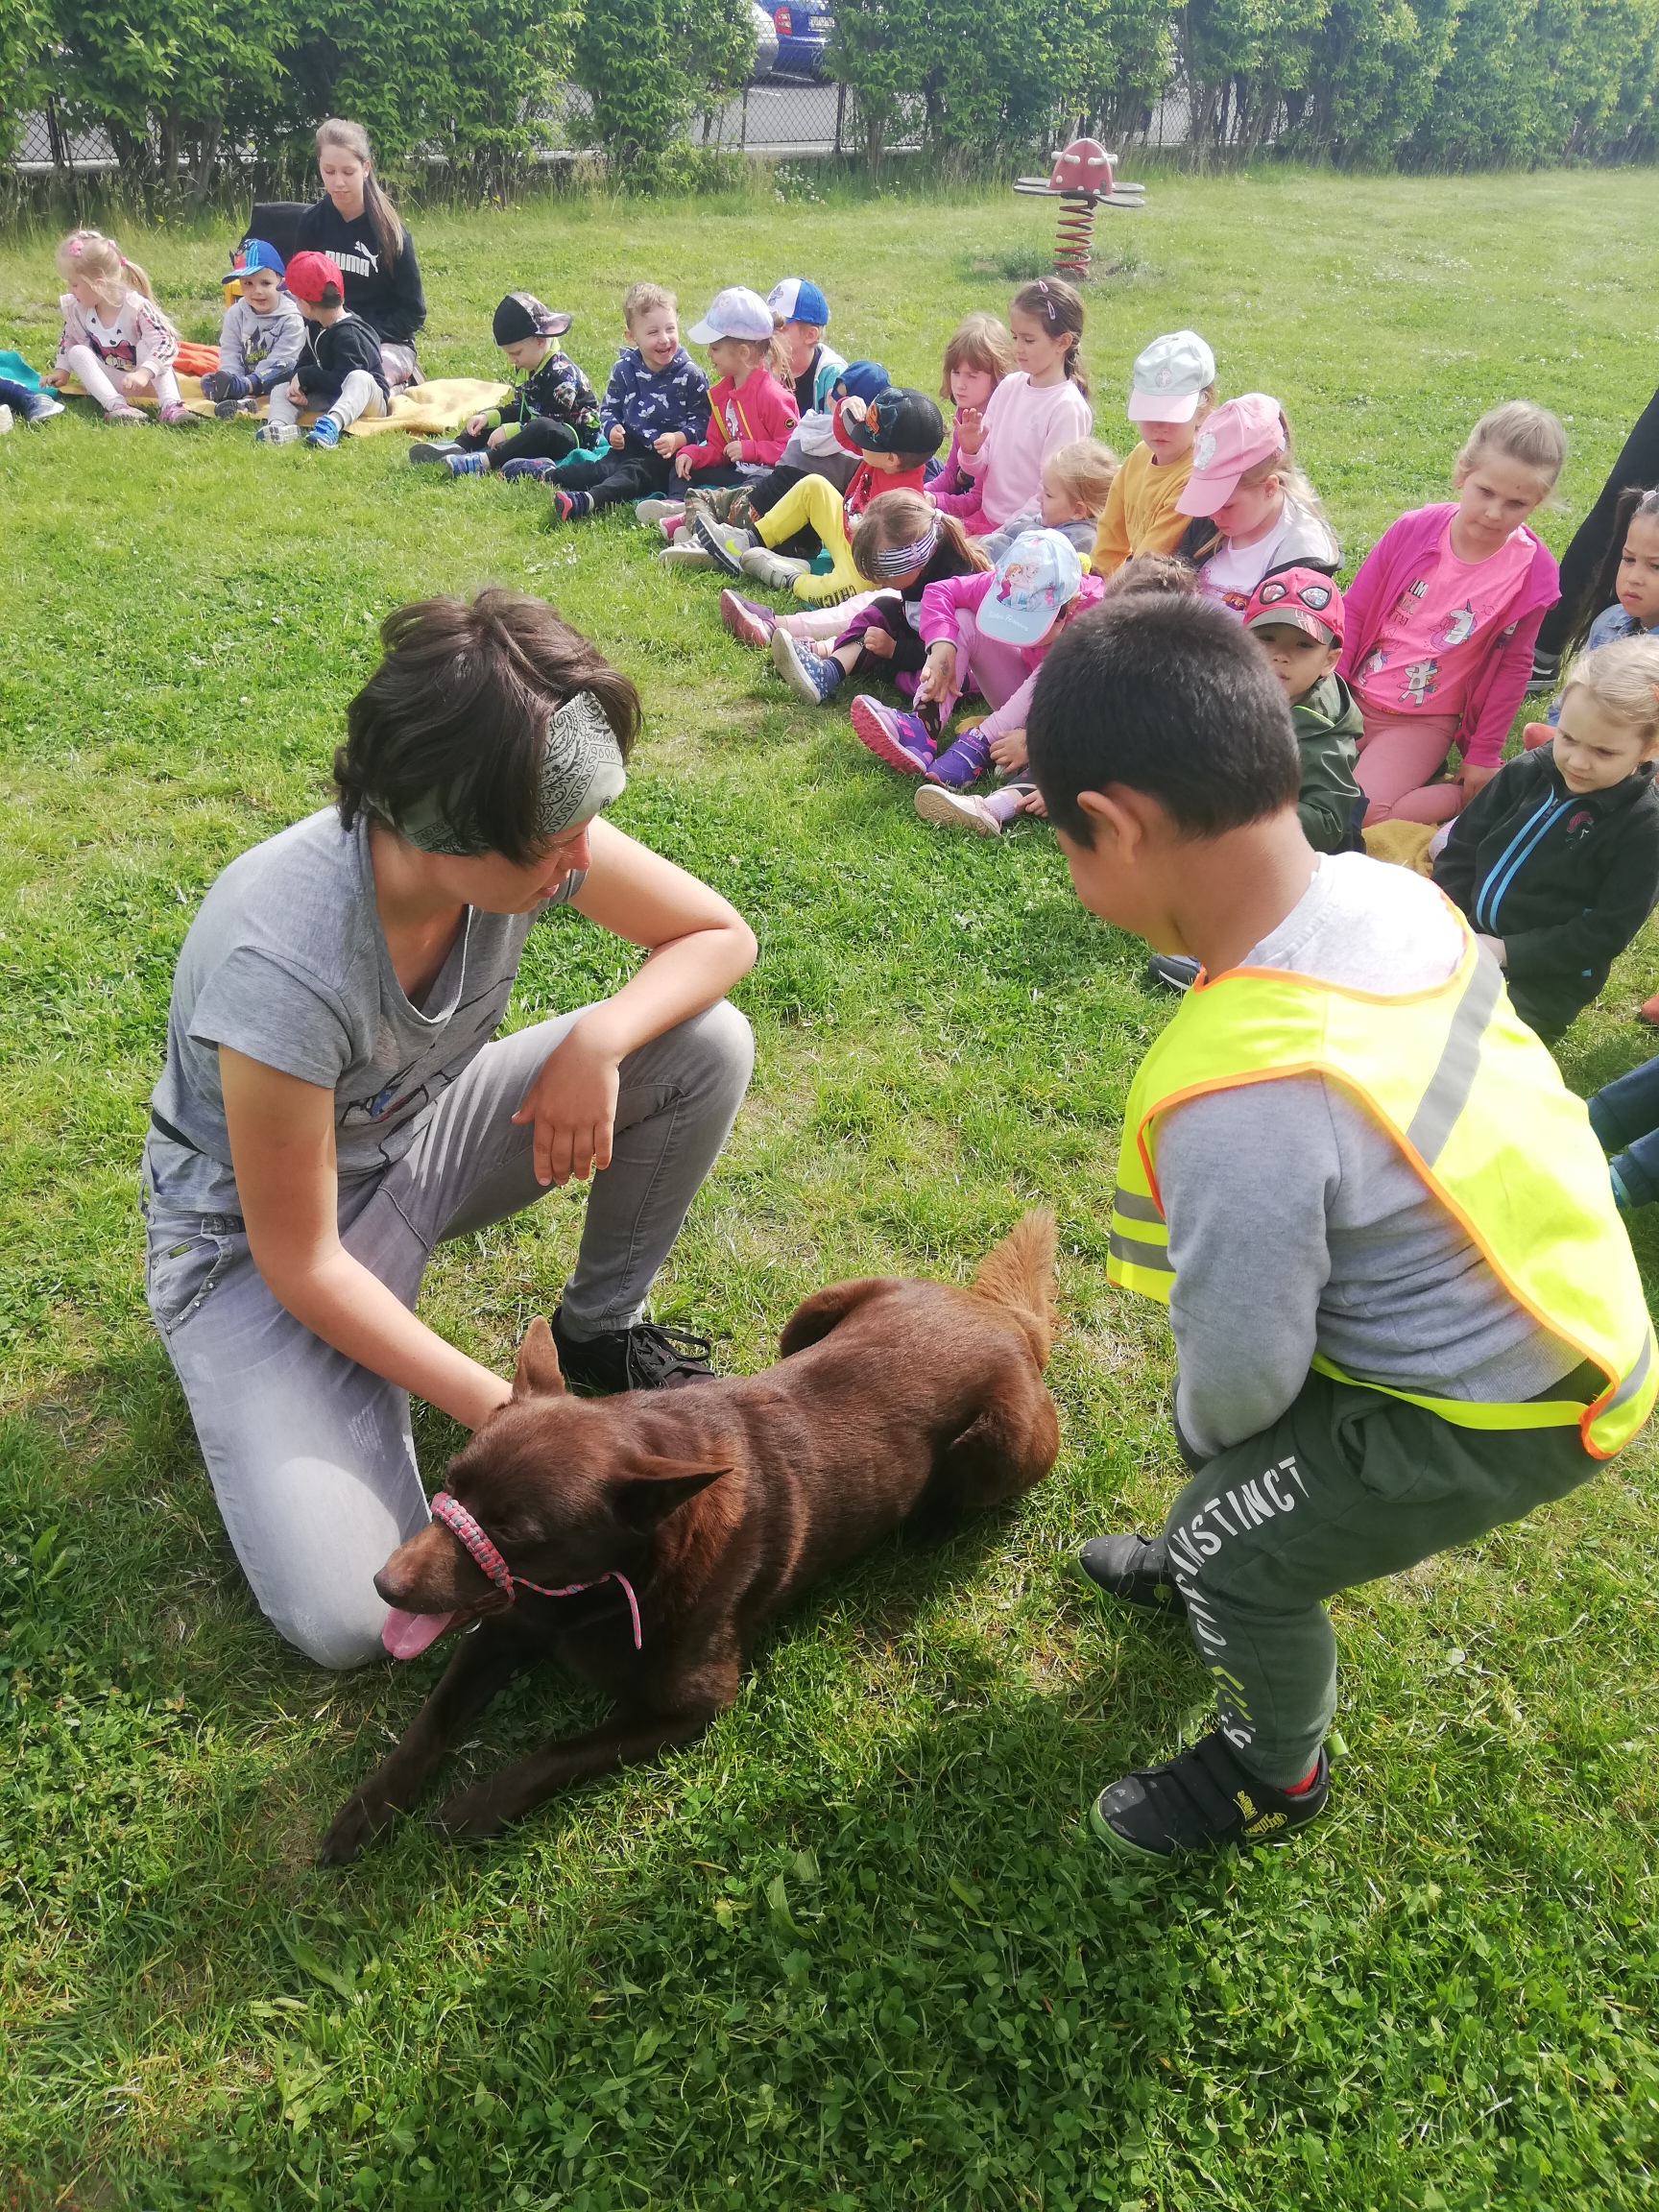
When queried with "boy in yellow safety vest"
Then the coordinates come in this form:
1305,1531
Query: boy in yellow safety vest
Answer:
1403,1304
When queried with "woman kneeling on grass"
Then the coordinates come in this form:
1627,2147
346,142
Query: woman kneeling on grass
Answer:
332,1106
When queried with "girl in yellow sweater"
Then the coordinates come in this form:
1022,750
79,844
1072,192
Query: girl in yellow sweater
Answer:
1171,389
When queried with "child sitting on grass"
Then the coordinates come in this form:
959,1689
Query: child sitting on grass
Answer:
1296,617
992,631
1442,616
111,321
978,354
1171,390
261,337
896,436
1556,861
751,411
1253,509
801,316
813,450
1041,403
341,369
1625,592
554,412
1075,485
655,402
902,545
1404,1308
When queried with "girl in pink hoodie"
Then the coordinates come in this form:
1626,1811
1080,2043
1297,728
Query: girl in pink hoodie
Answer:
1442,616
1043,405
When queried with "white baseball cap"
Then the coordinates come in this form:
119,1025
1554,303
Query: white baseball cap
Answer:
734,313
1035,578
1169,378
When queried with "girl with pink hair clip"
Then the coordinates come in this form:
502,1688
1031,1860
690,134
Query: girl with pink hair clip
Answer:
116,340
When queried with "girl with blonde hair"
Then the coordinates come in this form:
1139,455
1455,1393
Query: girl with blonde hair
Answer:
115,339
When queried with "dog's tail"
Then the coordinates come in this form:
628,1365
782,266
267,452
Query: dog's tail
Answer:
1018,1275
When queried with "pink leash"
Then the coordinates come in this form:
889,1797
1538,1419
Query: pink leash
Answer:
462,1525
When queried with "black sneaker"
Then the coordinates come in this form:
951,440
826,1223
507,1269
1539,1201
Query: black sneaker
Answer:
1200,1801
1135,1569
1546,667
647,1356
1178,970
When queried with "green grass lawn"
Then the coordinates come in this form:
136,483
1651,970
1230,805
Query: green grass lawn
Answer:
855,1948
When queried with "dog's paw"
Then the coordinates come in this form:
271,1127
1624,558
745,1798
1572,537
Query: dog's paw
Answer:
358,1821
470,1816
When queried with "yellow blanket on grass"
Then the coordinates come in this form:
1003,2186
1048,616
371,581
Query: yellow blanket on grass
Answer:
443,403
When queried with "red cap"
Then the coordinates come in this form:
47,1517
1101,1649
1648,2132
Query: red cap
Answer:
1303,599
309,275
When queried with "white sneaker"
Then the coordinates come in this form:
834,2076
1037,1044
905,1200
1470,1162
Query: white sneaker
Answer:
277,434
682,554
6,421
651,510
776,570
956,811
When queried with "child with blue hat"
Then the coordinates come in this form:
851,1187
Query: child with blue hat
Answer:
262,336
801,315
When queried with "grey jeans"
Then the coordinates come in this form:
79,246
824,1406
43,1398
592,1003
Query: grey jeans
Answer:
310,1455
359,394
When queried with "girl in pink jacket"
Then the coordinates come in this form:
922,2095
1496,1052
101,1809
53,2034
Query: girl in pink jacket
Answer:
1442,616
752,412
1043,405
992,631
116,341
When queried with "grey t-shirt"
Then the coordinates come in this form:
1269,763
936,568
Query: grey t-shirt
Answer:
1297,1225
286,962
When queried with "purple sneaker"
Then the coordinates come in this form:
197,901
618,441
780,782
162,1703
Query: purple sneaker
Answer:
901,740
533,471
963,761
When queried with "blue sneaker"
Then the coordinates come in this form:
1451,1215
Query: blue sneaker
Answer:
468,464
812,680
324,432
528,472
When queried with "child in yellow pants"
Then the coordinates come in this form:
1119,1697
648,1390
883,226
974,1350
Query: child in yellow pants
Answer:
896,435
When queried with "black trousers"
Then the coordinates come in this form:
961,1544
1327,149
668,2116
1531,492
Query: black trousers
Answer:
1637,464
540,439
620,476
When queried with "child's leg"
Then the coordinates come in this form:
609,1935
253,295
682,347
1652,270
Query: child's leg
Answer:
540,439
823,621
94,377
1398,754
1347,1485
625,476
359,394
791,514
823,510
165,386
1005,803
282,410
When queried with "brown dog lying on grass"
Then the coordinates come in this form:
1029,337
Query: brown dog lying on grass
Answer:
895,1403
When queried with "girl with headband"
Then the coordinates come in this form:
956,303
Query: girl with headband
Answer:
336,1100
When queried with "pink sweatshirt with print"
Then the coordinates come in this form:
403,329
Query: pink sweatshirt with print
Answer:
949,610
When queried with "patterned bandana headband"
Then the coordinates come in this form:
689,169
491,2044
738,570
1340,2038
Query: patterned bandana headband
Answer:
900,559
580,772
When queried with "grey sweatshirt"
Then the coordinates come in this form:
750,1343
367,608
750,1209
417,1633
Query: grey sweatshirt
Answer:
1296,1224
262,347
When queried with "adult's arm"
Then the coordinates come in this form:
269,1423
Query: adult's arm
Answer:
410,295
698,946
281,1133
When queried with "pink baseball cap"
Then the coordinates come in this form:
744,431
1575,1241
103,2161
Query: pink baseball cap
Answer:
1240,433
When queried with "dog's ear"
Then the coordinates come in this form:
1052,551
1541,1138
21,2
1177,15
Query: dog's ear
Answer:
656,1487
537,1374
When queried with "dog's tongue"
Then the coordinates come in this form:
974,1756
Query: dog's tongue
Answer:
407,1634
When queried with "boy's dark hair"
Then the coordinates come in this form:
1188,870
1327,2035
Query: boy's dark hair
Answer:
331,296
1170,698
460,707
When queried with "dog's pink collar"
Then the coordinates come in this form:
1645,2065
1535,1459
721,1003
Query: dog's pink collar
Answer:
462,1525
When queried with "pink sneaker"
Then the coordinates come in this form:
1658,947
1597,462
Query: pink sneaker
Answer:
900,739
748,621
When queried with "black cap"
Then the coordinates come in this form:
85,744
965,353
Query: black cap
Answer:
898,421
521,315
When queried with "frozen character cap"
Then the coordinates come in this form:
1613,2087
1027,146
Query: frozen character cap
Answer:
521,315
582,771
1300,599
1241,434
310,275
1170,377
1036,577
254,253
864,380
898,420
734,313
798,300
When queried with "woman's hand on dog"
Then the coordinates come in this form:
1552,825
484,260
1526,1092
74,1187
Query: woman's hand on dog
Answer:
573,1104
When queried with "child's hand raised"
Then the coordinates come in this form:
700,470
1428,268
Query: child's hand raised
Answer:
1009,751
970,430
854,409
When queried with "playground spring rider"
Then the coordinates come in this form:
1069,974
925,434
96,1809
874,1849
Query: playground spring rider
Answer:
1082,178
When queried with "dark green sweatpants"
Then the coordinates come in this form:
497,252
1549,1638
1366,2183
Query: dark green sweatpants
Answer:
1347,1485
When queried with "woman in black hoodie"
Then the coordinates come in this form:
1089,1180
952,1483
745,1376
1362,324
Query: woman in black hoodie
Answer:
358,227
1555,862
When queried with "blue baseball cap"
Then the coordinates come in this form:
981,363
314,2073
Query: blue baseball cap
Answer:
798,300
1036,577
255,254
864,380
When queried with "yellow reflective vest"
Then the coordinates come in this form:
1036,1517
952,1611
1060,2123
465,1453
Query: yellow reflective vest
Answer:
1475,1102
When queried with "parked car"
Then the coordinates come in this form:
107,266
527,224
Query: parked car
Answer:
802,35
765,42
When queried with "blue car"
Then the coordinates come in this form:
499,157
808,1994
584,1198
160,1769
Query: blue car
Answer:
802,35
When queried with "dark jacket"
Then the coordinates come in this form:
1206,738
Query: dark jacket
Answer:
1564,880
558,392
389,298
333,350
1327,726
